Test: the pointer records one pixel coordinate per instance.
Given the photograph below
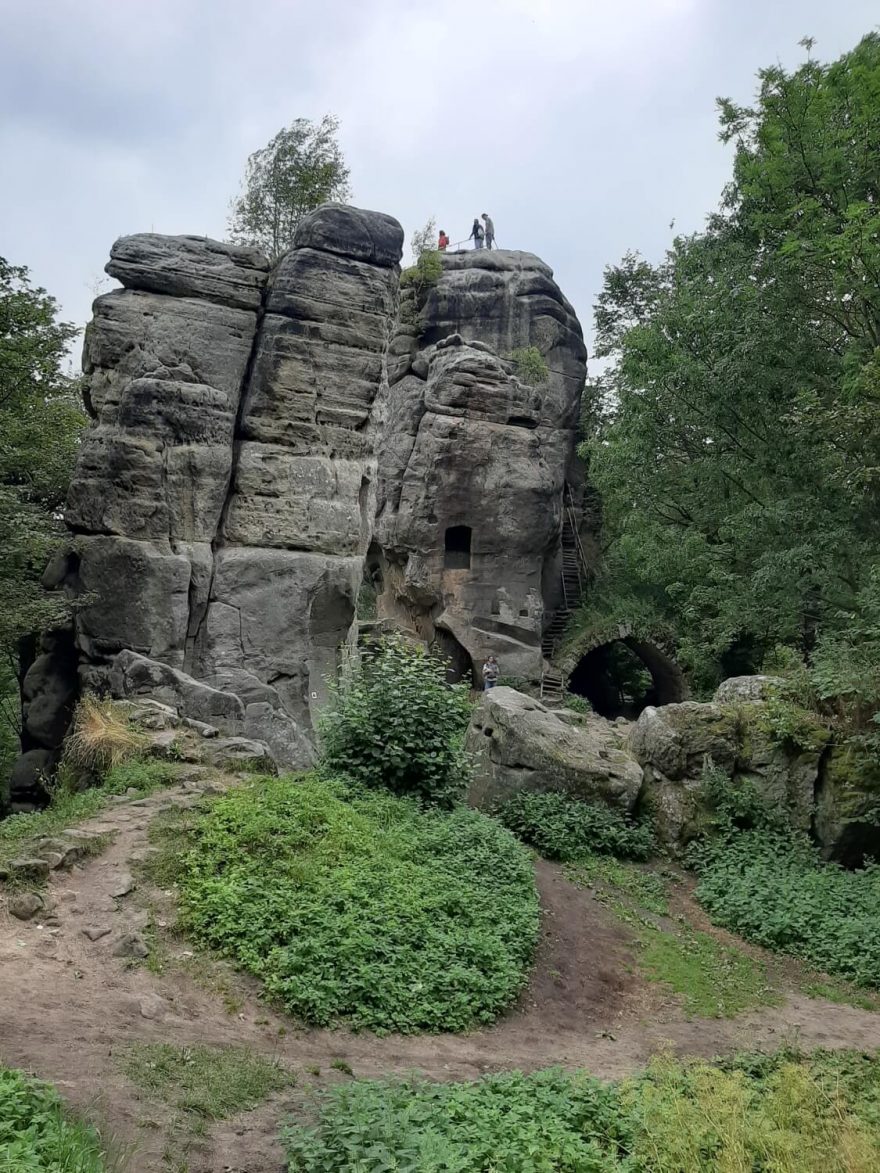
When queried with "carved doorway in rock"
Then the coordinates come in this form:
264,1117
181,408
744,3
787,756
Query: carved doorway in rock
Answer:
457,548
460,665
622,677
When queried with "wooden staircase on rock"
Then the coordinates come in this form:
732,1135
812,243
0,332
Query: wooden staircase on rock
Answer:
574,580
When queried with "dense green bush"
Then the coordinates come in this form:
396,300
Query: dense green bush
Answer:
362,906
771,887
560,827
38,1135
397,723
783,1113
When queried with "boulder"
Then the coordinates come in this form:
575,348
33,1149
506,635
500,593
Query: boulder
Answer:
674,742
847,816
134,675
518,744
29,774
190,266
746,688
351,232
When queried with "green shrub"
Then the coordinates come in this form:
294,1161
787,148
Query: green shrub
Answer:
560,827
786,1113
531,366
577,704
362,906
396,723
735,804
39,1135
772,888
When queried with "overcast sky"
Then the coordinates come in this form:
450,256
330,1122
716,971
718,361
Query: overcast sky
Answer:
584,127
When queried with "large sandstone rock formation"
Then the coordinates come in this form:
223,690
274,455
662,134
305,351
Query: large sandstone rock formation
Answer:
222,500
473,461
256,432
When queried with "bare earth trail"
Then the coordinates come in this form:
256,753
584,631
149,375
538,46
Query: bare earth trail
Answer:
70,1004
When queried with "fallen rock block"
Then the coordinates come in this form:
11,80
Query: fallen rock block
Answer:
24,905
28,869
131,945
520,745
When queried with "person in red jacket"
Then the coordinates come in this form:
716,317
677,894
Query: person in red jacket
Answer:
443,243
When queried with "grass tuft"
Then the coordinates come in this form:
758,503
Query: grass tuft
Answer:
101,737
206,1082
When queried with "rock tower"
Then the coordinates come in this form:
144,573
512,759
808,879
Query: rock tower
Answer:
260,436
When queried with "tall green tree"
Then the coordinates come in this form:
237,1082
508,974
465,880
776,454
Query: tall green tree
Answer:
735,436
302,167
40,423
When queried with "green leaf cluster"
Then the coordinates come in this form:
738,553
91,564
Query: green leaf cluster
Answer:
39,1135
363,907
531,366
395,722
788,1113
564,828
40,424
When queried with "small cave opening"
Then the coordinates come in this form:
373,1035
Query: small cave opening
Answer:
459,665
622,677
371,585
457,547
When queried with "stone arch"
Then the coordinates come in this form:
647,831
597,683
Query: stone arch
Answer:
605,672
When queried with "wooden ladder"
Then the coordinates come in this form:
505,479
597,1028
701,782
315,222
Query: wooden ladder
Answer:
574,575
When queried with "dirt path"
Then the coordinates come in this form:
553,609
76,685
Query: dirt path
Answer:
70,1003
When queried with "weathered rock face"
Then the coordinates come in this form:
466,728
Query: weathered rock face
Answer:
673,742
518,744
258,432
222,501
473,461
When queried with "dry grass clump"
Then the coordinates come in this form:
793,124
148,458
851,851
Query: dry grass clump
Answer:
100,738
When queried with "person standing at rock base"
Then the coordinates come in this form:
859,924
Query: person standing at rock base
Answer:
490,230
477,233
491,672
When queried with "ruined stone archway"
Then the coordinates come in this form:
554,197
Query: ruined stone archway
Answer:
622,676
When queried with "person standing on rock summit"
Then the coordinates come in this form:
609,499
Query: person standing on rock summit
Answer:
491,672
490,230
477,233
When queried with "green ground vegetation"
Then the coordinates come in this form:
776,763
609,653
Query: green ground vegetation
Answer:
772,888
768,883
361,907
563,828
38,1134
788,1113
